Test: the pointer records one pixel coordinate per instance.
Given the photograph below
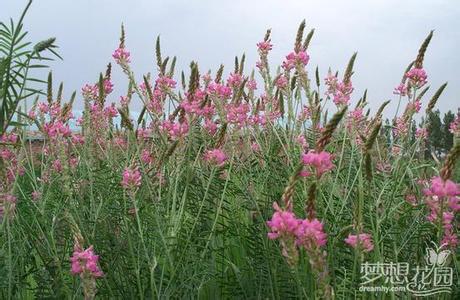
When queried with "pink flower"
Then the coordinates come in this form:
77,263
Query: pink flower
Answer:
310,234
43,107
442,188
206,78
238,114
124,101
7,203
293,59
282,224
305,114
401,90
252,85
281,82
320,162
396,150
362,240
7,154
421,133
111,111
121,56
57,129
57,166
144,133
258,119
450,237
439,193
255,147
343,92
234,80
78,139
415,106
411,199
215,156
175,130
120,142
90,91
417,77
302,141
355,118
85,262
108,86
401,127
131,178
219,90
165,83
32,114
73,162
264,47
454,127
339,91
36,195
146,157
331,82
210,126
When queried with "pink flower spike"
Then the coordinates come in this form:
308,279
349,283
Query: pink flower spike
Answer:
131,178
264,47
121,56
282,224
85,261
362,240
215,156
310,234
320,162
417,77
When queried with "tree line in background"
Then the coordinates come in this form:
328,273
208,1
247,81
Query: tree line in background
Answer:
440,138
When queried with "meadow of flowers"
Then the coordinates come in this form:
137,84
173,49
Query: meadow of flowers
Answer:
265,182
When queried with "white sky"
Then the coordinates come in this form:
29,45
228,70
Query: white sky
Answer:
386,34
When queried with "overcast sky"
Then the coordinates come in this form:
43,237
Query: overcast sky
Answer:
386,34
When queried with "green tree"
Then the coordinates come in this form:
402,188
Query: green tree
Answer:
434,144
447,136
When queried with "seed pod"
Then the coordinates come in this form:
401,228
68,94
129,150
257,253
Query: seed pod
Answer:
59,93
435,98
306,43
449,165
49,90
219,73
158,53
421,52
349,70
45,45
330,128
221,138
171,67
194,80
122,36
164,65
318,81
310,205
241,67
108,71
267,35
299,37
289,190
